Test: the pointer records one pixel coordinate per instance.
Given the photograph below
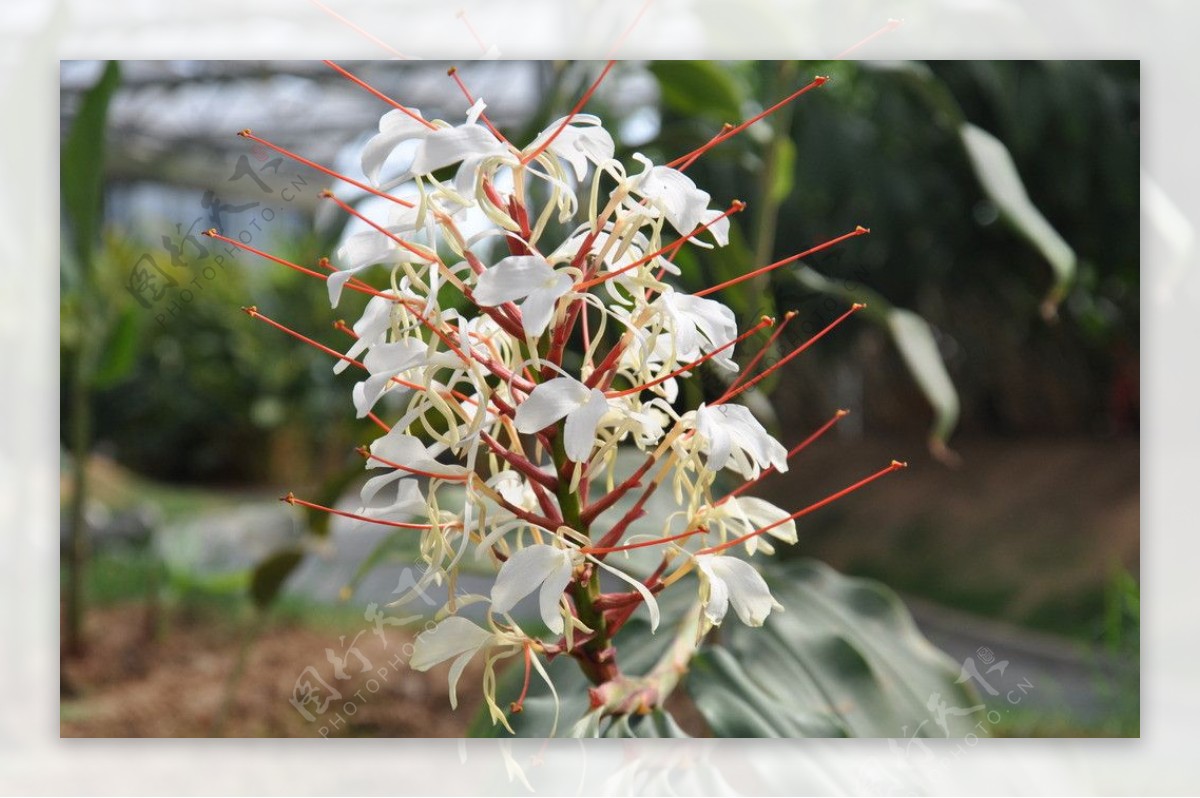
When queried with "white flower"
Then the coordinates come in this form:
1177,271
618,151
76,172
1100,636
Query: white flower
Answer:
732,436
581,141
533,567
436,147
386,361
527,277
742,515
676,196
697,326
727,579
564,397
453,637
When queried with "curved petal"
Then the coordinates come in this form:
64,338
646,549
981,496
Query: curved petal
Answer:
748,591
550,402
395,127
450,638
524,571
512,278
538,307
579,433
449,145
716,603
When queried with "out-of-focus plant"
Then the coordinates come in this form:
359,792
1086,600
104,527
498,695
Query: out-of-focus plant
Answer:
99,329
532,328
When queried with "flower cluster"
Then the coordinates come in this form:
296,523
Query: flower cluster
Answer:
527,331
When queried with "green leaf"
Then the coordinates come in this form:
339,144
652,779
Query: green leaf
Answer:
82,165
845,658
998,174
783,179
119,351
271,573
914,338
695,88
917,346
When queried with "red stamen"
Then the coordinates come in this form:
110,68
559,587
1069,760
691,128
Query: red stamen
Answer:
362,83
749,369
291,499
462,14
587,95
689,158
641,544
519,705
359,30
765,322
858,231
673,248
895,466
891,25
629,29
379,422
795,450
453,73
785,360
329,195
246,134
365,452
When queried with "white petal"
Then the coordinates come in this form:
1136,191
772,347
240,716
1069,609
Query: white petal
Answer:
512,278
748,591
538,307
579,433
525,570
551,593
717,602
449,145
450,638
762,513
647,596
550,402
394,128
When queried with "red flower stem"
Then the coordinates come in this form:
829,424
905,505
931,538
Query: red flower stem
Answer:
764,322
895,466
290,499
749,369
587,95
684,161
858,231
247,134
795,450
791,356
363,84
365,452
453,73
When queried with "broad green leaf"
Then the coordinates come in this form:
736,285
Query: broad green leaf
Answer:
82,164
694,88
844,658
271,573
914,339
1000,179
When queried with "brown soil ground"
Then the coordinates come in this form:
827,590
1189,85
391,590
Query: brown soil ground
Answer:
175,686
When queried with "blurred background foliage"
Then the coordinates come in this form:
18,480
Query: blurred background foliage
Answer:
878,146
996,330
